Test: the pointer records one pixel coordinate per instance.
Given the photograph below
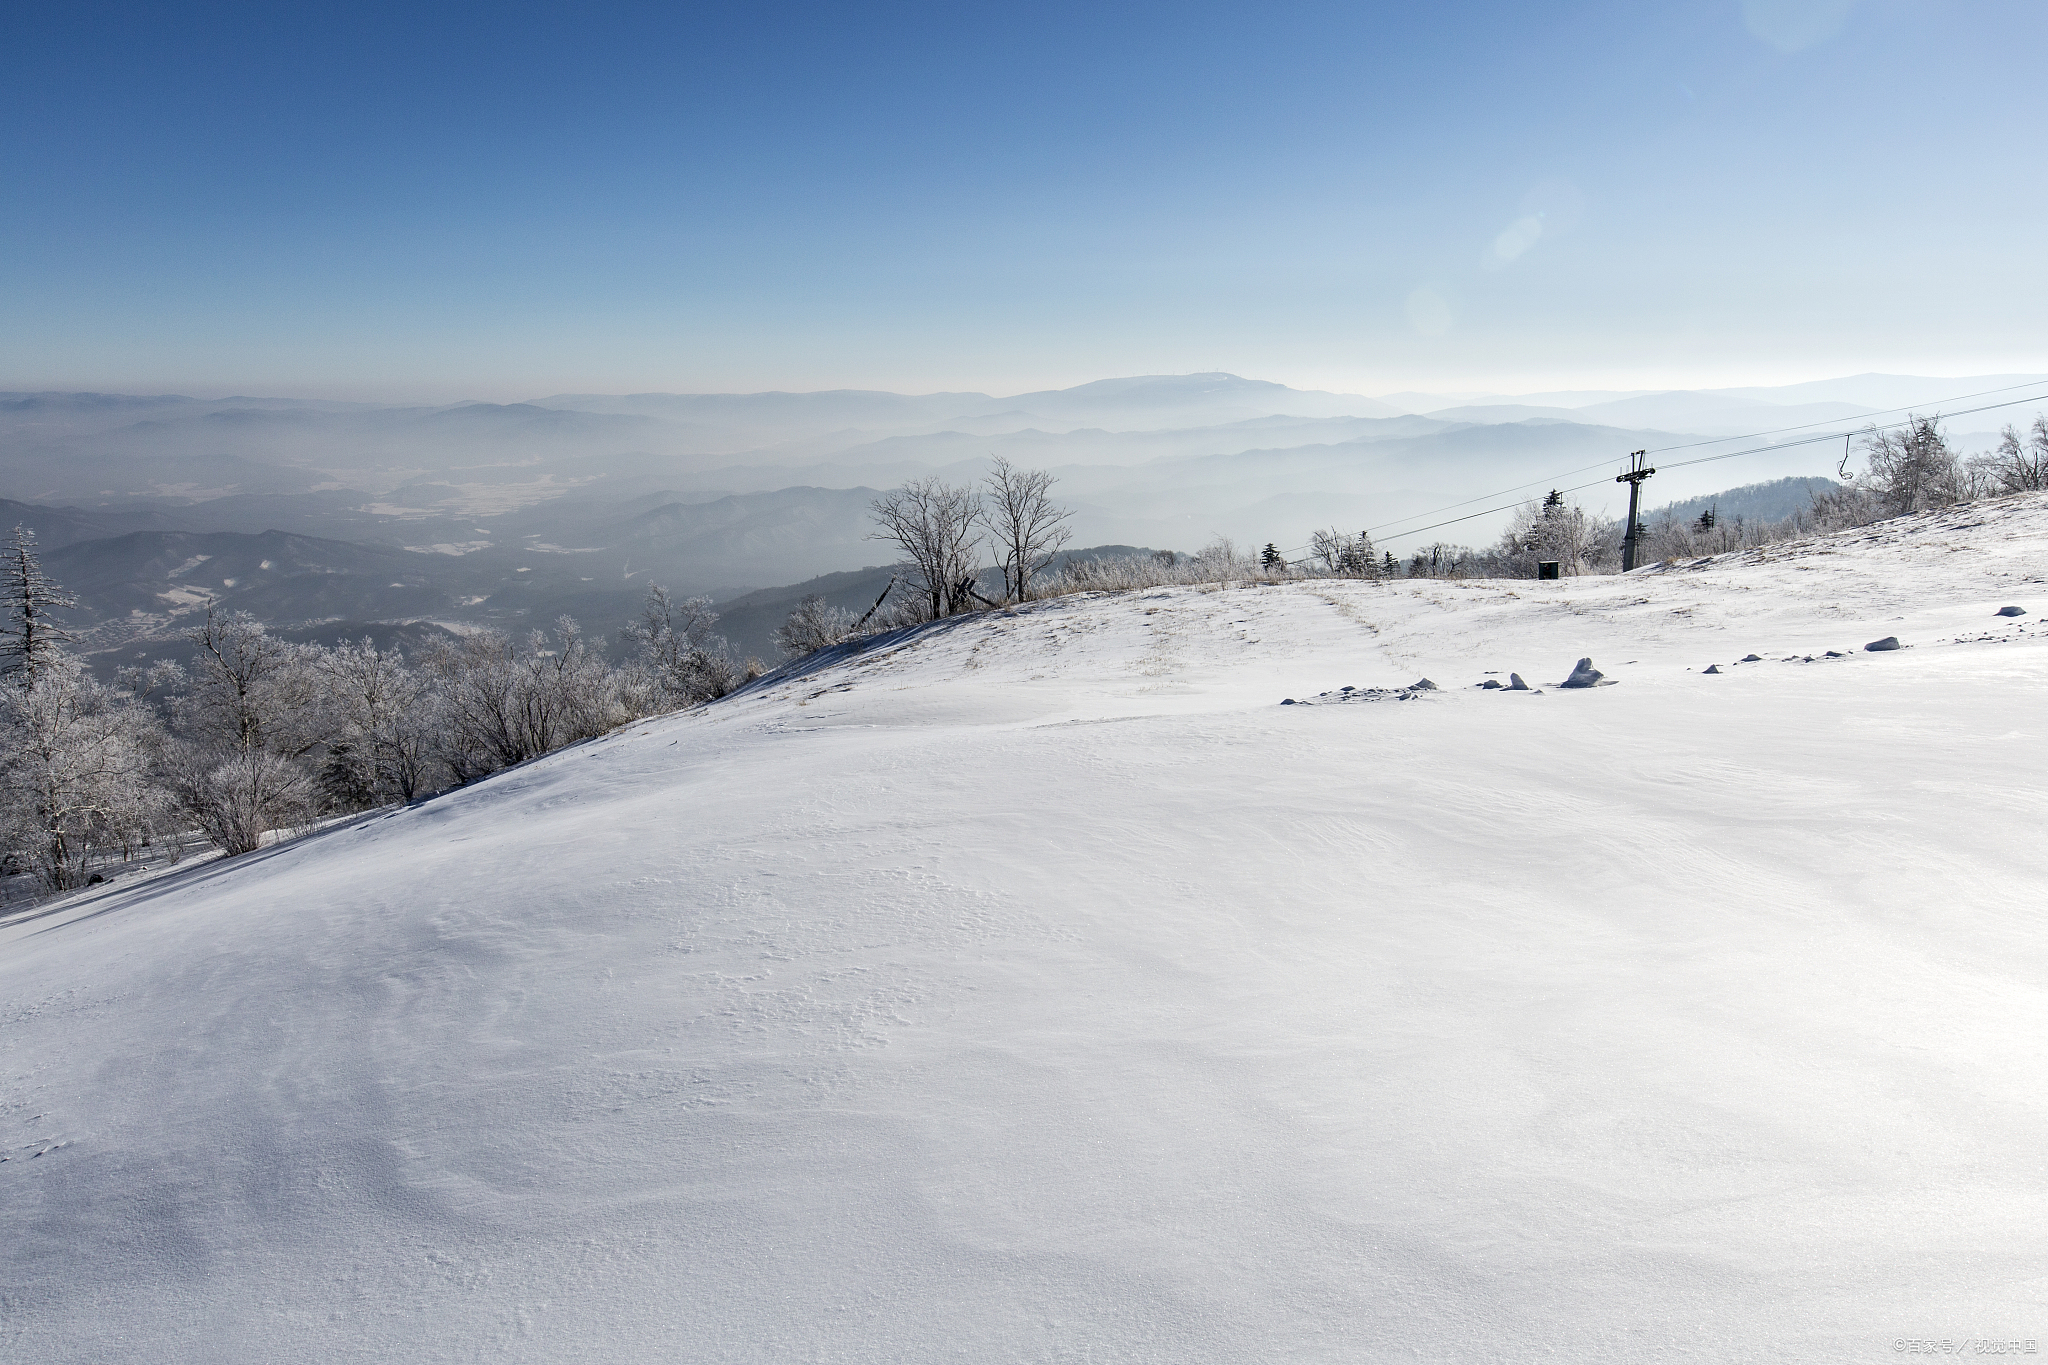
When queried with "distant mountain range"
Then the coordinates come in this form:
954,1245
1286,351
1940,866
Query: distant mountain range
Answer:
111,451
313,512
1765,502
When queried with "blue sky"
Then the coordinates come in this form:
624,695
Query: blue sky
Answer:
511,200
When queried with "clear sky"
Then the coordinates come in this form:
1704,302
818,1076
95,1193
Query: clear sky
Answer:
510,200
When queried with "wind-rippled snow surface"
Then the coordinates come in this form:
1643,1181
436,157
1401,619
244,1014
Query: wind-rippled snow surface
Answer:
1037,988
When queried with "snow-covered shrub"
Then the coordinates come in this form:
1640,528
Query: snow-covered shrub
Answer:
813,624
1219,562
245,796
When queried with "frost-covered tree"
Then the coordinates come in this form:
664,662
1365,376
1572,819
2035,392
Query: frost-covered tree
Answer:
1027,528
78,759
936,527
1359,559
504,701
1326,548
686,660
813,624
478,678
1554,528
250,726
1911,469
78,771
240,797
2020,464
1343,555
30,637
581,690
251,690
389,716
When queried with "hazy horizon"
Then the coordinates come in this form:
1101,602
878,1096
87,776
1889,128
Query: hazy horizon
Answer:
1565,396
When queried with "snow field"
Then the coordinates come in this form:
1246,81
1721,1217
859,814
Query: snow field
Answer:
1035,987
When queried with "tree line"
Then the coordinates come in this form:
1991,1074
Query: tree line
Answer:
260,736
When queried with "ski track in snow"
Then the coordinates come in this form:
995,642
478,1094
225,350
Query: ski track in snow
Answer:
1035,987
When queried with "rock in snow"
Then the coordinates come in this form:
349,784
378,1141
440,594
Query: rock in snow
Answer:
1713,668
2012,611
1515,683
1583,675
1880,646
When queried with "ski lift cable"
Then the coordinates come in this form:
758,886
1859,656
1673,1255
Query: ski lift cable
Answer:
1879,412
1682,464
1848,435
1567,473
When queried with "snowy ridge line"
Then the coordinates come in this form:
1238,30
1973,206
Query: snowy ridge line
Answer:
864,647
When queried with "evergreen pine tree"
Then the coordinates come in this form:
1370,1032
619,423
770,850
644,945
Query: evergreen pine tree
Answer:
30,638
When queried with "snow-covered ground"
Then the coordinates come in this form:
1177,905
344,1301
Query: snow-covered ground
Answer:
1039,988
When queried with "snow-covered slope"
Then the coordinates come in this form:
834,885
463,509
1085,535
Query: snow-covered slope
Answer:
1038,988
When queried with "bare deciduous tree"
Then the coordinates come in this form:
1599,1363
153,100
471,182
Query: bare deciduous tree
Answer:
934,524
1027,528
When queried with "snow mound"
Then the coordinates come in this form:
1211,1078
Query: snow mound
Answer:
1030,987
